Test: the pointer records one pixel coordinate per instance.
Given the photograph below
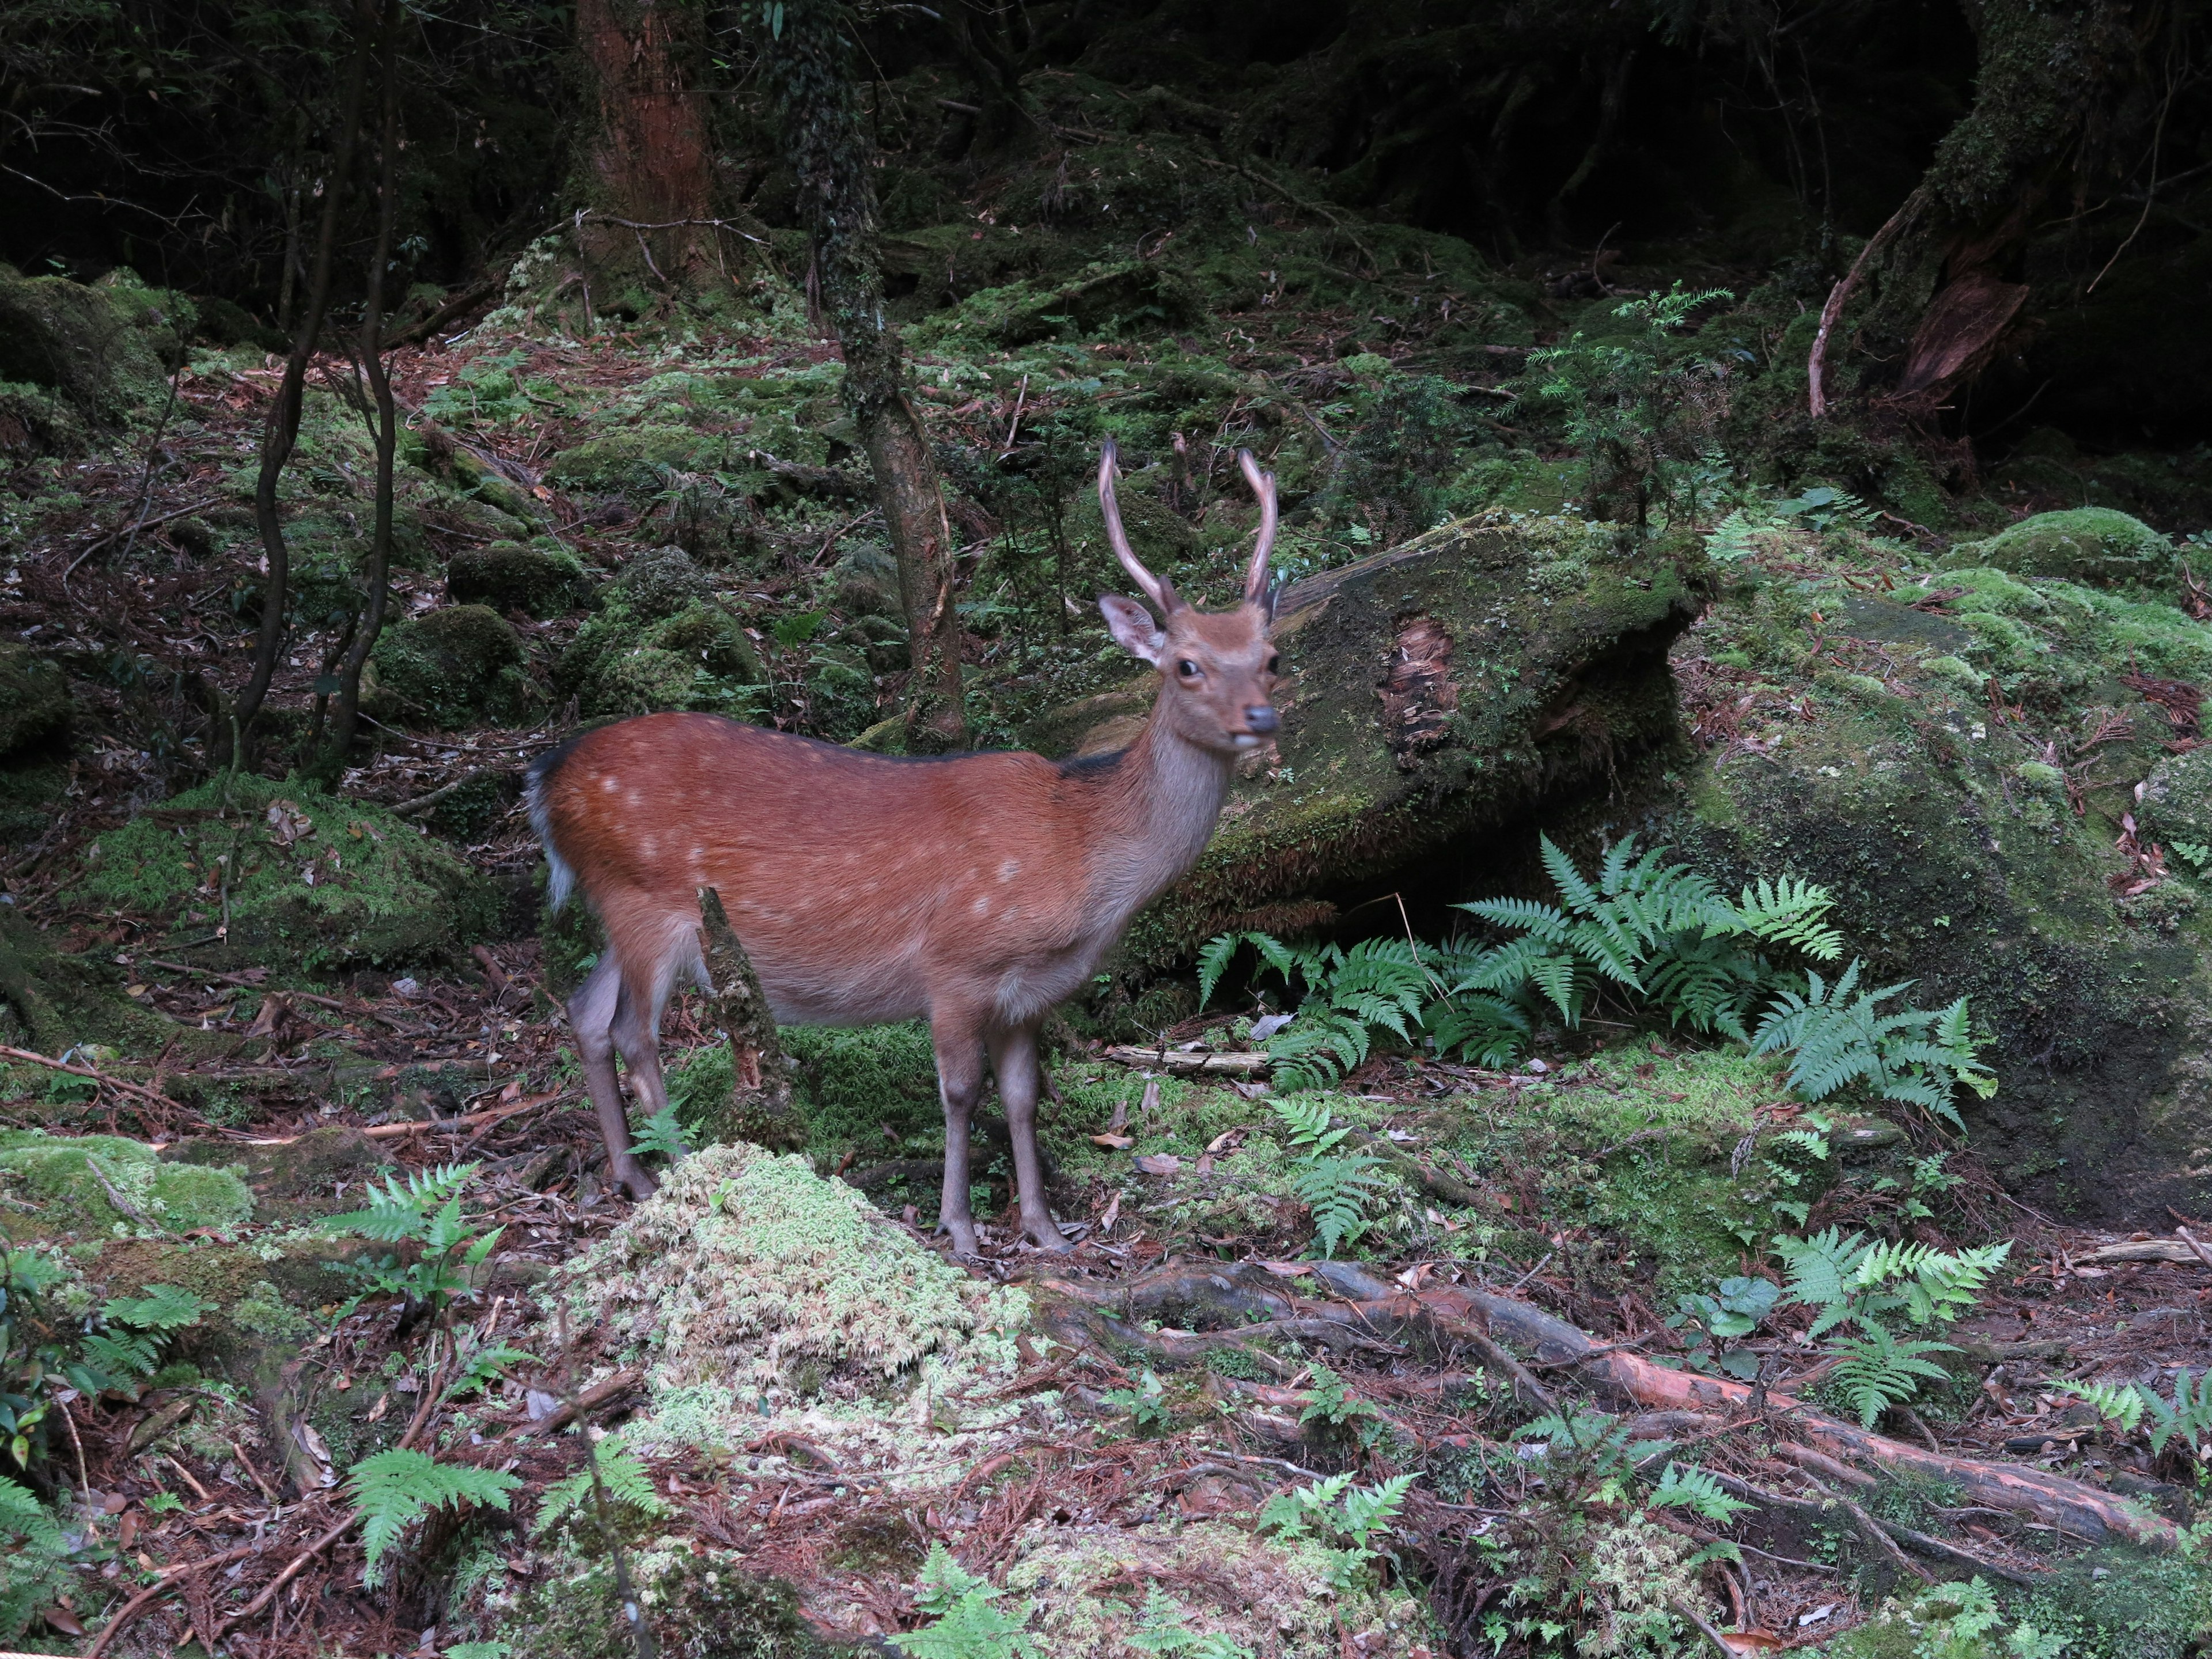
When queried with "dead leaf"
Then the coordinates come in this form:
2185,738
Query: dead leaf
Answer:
1816,1615
382,1404
1412,1277
1113,1214
1206,1164
1160,1164
62,1620
1227,1140
1251,1090
1750,1641
1118,1143
1288,1269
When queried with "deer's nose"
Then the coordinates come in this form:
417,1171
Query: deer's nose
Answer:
1262,719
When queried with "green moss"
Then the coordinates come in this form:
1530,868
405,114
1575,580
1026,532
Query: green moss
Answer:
639,458
2177,800
102,349
2090,544
662,641
703,1603
69,1177
540,578
245,847
450,668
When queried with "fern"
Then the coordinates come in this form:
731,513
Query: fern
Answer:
1160,1629
392,1490
1337,1187
1370,1510
662,1135
1837,1035
2121,1404
1694,1489
124,1354
161,1308
625,1480
2187,1417
1879,1370
1862,1281
486,1365
970,1625
397,1213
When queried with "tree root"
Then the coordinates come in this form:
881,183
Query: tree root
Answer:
1248,1300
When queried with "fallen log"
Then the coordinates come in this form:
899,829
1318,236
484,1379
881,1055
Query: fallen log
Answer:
1192,1062
1447,1313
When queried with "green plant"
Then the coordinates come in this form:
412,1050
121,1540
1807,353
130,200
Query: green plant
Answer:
1160,1629
33,1557
1330,1402
1378,984
969,1622
1336,1187
1642,408
424,1211
1341,1516
1660,930
137,1327
1145,1403
485,1364
661,1135
1837,1035
1736,1309
624,1480
392,1490
1954,1622
2186,1418
1687,1487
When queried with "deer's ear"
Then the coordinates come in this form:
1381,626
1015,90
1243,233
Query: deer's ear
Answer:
1132,628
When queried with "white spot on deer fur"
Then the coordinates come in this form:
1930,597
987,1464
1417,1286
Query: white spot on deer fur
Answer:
634,799
1010,869
981,907
607,783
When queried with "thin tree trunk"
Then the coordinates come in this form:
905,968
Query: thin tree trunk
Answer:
347,719
282,430
810,68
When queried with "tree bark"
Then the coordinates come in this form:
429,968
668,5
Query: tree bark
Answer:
810,69
1943,281
650,226
759,1109
281,430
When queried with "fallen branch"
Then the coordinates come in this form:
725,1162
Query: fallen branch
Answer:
154,1096
1435,1182
170,1578
1233,1062
569,1410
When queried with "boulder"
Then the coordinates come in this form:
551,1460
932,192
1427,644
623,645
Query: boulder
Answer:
661,641
1436,693
91,1185
450,668
2175,809
278,873
99,349
539,579
638,457
2095,545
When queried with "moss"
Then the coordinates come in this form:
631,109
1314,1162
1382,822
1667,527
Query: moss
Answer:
34,699
450,668
540,578
302,879
703,1603
1266,1595
2090,544
99,349
1103,299
662,641
638,459
71,1176
2175,805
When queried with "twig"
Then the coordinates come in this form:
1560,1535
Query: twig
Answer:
2190,1239
30,1059
1015,425
570,1409
122,1204
138,1604
338,1003
144,524
290,1572
1704,1629
423,803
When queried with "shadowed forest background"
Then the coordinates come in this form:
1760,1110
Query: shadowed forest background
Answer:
1674,1113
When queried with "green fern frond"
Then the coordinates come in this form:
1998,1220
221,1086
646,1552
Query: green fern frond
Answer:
625,1480
1338,1191
2121,1404
1879,1370
162,1308
1213,959
1688,1486
392,1490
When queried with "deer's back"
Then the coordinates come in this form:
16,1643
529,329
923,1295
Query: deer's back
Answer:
862,885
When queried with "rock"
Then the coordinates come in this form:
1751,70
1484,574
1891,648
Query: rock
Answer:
34,699
1435,691
312,881
1021,312
868,581
2094,546
661,641
638,459
94,1185
540,578
450,668
2176,807
99,349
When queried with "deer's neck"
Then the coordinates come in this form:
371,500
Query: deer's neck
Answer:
1158,809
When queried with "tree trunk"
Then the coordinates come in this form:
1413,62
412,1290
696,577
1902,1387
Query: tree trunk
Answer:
809,62
282,430
650,229
759,1109
1942,281
377,577
980,33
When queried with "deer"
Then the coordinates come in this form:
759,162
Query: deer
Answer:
979,890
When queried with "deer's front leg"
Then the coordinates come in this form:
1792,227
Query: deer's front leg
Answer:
1014,1060
959,1080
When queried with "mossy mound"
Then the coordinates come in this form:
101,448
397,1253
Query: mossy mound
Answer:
1265,1596
661,641
34,699
763,1296
99,349
703,1603
638,459
539,579
2091,544
1101,300
2176,808
76,1179
449,669
307,880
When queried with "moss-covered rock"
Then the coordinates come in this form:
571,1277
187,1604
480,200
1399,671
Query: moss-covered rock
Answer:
638,459
702,1603
2176,808
100,349
34,699
450,668
1103,299
539,579
2095,545
290,876
661,641
77,1180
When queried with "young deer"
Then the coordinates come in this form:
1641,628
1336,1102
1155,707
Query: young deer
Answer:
978,890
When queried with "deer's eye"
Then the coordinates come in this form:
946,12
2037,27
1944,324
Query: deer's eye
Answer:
1186,668
1274,663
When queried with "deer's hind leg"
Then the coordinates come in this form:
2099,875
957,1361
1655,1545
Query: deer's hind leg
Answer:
1014,1063
597,1013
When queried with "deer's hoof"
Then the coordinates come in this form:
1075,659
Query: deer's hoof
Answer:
631,1176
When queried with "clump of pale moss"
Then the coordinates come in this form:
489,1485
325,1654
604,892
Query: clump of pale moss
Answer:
1266,1595
766,1303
